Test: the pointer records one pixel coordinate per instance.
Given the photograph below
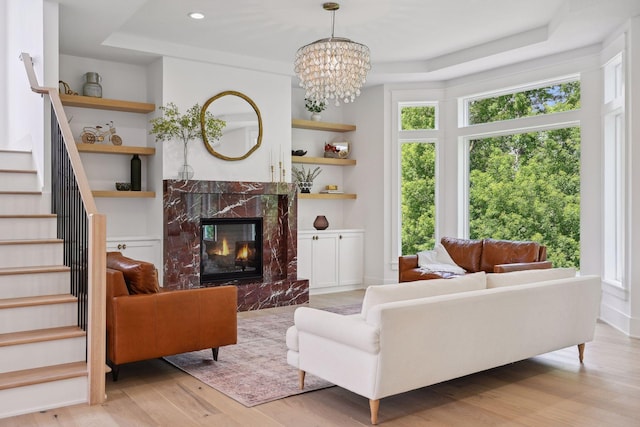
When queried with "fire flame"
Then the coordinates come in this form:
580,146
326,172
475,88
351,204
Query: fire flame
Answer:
225,247
243,252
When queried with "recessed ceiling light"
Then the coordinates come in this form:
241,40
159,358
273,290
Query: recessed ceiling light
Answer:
196,15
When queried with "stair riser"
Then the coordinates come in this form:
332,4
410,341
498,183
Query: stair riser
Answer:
13,181
40,354
16,160
40,397
22,319
33,285
27,228
31,255
22,204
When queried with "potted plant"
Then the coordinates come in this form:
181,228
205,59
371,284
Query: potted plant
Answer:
315,108
304,178
185,127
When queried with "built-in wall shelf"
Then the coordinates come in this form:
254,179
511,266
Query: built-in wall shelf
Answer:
115,149
325,126
326,196
124,194
106,104
323,161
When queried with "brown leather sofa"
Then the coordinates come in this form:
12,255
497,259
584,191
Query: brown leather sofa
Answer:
488,255
143,322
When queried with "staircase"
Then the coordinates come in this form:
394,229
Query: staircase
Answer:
42,351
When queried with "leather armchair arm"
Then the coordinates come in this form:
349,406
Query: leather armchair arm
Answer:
505,268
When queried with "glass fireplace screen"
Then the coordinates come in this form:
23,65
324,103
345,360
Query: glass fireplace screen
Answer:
231,248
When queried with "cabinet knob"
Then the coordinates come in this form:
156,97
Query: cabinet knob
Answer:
122,246
340,237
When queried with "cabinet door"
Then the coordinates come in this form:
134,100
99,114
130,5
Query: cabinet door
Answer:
325,260
305,256
351,262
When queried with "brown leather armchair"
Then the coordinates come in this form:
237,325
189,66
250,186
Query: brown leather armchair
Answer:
488,255
143,322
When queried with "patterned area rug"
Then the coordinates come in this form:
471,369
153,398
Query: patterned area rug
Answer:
255,370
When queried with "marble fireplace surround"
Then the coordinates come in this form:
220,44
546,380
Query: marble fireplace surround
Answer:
186,202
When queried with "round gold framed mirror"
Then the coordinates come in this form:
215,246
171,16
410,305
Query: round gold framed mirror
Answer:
242,133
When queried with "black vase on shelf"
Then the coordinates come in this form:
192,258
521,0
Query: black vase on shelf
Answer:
321,222
136,173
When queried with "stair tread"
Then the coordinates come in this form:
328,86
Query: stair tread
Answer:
6,271
39,335
37,300
29,241
27,216
42,375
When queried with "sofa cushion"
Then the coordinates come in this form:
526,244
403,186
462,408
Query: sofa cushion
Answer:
438,261
421,289
141,276
498,280
507,252
464,252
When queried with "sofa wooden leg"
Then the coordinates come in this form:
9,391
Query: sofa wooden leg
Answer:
581,352
374,405
215,353
115,370
301,375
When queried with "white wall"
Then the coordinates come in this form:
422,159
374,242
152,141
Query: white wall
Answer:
25,117
621,307
3,73
125,217
188,82
633,136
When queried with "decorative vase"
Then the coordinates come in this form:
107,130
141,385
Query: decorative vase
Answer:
316,117
185,172
92,86
305,186
136,173
321,223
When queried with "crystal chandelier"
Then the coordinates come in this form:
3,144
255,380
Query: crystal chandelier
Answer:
332,68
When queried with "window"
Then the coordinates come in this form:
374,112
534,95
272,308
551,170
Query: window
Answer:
417,123
418,160
532,102
614,172
527,187
524,180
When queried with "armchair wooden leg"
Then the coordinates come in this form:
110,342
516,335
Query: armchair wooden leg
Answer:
374,405
215,353
581,352
301,375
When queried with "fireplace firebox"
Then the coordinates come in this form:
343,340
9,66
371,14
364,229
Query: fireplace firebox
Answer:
230,248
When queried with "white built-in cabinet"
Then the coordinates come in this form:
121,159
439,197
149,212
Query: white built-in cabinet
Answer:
332,260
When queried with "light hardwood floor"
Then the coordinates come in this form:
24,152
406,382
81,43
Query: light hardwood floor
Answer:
548,390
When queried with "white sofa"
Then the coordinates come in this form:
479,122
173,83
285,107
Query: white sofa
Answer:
415,334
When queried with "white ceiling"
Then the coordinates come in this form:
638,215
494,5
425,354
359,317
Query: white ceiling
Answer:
410,40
